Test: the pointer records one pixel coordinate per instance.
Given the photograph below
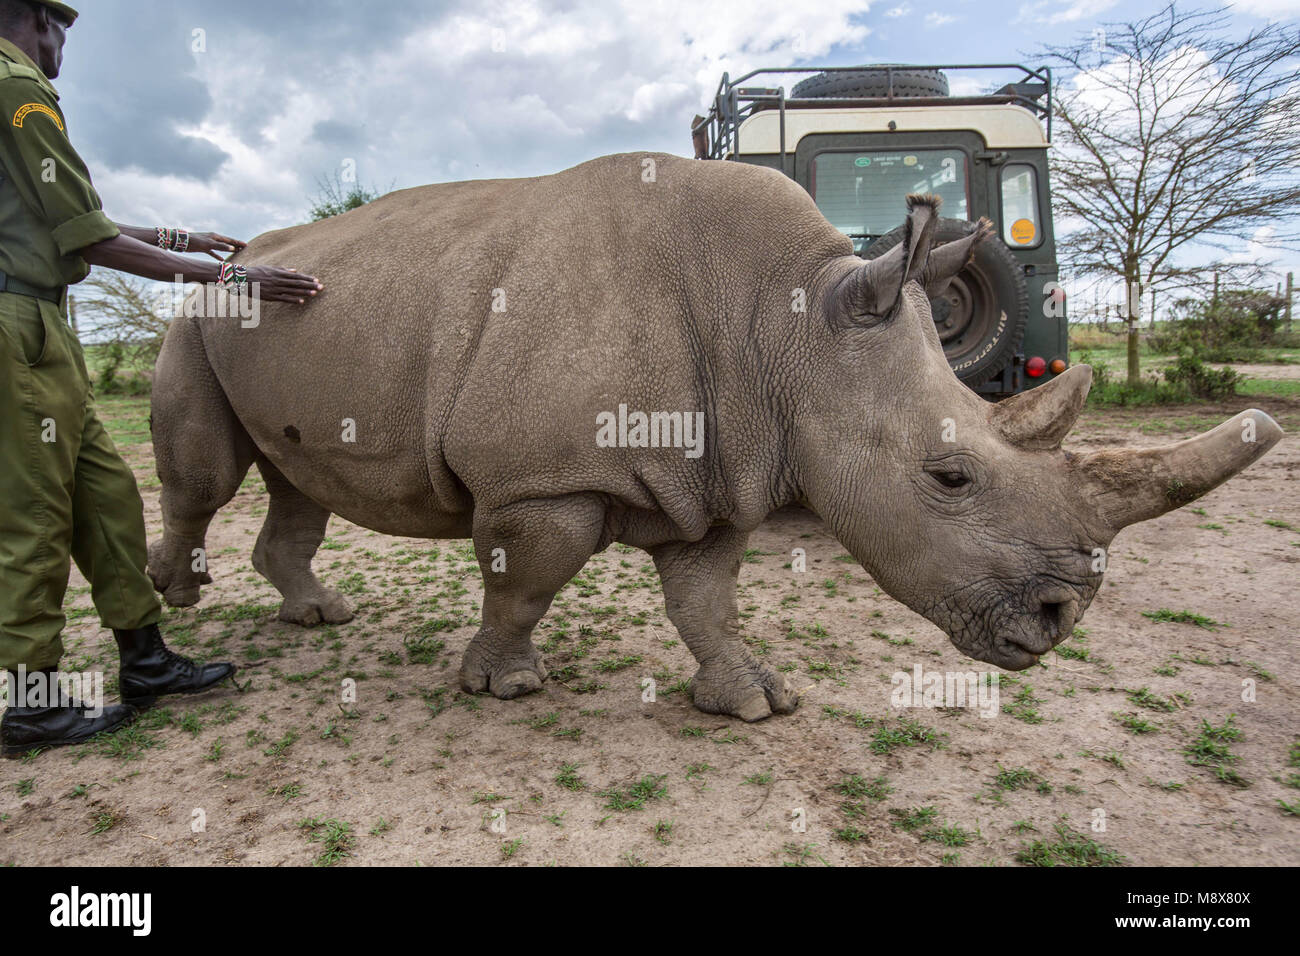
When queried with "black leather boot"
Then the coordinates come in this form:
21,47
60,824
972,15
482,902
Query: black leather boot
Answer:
150,669
66,721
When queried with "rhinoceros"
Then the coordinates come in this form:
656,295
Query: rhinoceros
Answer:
521,362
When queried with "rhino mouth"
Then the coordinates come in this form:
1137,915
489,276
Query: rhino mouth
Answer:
1014,632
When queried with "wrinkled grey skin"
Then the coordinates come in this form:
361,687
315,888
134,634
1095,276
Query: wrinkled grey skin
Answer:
669,295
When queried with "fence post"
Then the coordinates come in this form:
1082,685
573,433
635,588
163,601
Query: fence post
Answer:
1290,276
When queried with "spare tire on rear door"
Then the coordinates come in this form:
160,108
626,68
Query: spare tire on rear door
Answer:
981,316
873,81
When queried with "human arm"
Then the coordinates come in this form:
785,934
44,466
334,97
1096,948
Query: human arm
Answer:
126,253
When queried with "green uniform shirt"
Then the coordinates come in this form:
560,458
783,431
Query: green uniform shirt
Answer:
48,208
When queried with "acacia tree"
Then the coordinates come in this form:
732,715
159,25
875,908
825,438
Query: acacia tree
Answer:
1169,131
127,314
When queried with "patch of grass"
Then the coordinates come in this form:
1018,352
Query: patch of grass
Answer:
952,835
1165,616
1142,697
612,664
104,820
908,733
698,769
923,821
1022,706
799,854
1014,779
1259,671
278,748
1073,653
913,819
335,836
856,786
649,787
1136,724
288,791
1070,848
568,778
1213,749
423,647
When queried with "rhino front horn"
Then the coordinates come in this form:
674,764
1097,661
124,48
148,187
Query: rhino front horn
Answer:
1127,486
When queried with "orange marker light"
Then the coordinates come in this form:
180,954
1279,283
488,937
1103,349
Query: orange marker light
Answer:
1057,366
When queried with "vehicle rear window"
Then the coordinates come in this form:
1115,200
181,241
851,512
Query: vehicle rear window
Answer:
862,193
1020,225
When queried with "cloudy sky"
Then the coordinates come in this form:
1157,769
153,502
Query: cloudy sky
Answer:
227,115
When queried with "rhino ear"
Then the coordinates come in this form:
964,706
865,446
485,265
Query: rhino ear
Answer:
874,290
1039,418
950,258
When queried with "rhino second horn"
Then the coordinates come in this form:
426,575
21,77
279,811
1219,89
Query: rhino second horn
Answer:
950,258
1039,418
1131,485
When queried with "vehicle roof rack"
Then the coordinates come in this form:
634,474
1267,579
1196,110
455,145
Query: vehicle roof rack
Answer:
718,134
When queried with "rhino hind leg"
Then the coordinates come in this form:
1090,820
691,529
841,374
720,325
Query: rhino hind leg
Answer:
699,580
294,528
202,453
528,551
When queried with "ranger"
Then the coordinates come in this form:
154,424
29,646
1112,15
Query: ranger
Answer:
65,492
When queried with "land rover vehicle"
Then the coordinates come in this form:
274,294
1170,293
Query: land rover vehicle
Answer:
859,139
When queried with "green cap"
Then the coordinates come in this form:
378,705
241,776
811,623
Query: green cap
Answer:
62,9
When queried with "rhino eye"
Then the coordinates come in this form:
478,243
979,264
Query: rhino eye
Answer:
951,480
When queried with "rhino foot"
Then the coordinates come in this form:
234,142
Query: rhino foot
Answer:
745,689
175,579
505,677
328,606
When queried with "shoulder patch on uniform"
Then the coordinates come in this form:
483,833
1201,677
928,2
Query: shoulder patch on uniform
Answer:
27,108
8,68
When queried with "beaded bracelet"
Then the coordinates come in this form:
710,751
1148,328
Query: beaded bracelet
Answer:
173,240
233,275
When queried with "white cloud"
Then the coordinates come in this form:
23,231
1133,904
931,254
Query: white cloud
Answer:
1065,11
900,11
1268,9
933,20
509,88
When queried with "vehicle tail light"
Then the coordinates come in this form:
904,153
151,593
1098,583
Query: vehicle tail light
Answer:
1035,367
1057,366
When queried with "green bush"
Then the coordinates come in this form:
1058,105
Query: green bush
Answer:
1235,328
1108,389
1200,380
110,380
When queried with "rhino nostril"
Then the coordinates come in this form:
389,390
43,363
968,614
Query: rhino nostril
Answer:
1052,614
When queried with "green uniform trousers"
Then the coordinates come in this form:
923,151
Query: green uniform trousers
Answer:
65,492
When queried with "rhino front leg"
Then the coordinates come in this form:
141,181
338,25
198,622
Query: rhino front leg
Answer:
527,552
293,530
699,580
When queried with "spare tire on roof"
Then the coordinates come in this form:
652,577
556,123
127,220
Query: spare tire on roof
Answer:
873,81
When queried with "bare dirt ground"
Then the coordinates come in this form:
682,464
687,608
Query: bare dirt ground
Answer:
413,772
